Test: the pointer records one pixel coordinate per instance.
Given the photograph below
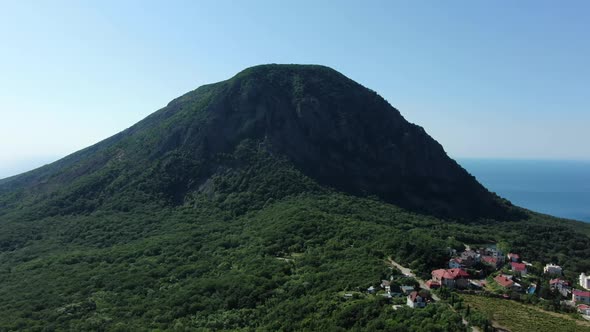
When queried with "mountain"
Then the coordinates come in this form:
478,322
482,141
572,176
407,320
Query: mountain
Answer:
328,127
252,204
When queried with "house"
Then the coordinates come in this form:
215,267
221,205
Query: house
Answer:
490,260
552,269
507,282
580,296
371,290
519,268
494,252
585,281
415,300
504,281
455,263
561,285
469,258
386,284
513,257
584,309
452,278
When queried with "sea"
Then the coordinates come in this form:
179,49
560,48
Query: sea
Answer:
554,187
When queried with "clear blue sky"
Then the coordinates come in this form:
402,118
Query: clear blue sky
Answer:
501,79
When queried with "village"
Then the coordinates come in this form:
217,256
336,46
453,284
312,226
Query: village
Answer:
487,271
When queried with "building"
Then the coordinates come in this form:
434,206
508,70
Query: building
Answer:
415,300
519,268
469,258
580,296
494,252
504,281
561,285
552,269
490,260
386,284
451,278
585,281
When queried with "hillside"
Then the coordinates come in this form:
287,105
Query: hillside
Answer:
251,204
335,131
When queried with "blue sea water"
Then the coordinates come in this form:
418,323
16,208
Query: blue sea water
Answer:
558,188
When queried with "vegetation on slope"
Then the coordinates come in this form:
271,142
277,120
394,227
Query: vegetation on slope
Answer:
254,251
195,219
522,318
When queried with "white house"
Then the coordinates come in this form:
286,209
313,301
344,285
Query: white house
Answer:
561,285
585,280
386,284
552,269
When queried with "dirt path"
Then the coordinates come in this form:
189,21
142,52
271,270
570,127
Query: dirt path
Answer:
407,272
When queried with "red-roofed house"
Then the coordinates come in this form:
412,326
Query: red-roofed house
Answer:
490,260
519,268
415,300
580,296
504,281
513,257
451,278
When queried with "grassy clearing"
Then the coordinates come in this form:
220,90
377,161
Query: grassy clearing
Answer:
519,317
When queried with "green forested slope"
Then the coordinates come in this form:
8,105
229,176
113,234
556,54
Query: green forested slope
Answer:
233,258
229,210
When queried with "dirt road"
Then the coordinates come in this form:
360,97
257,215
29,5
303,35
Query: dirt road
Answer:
407,272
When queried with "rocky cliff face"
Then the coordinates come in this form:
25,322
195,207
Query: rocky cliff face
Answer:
344,136
329,127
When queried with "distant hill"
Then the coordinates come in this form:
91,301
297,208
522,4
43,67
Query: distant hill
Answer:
253,204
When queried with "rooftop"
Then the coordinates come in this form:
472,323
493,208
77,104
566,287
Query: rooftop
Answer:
450,273
578,292
503,281
518,266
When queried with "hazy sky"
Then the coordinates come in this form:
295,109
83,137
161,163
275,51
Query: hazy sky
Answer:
501,79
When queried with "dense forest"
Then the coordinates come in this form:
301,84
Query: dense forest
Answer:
253,254
179,223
